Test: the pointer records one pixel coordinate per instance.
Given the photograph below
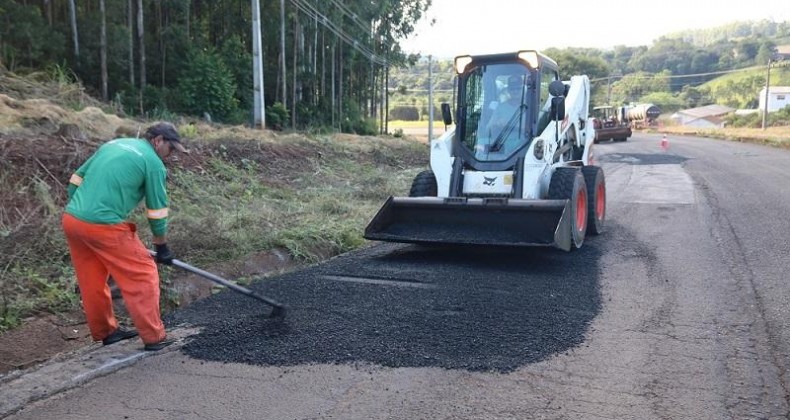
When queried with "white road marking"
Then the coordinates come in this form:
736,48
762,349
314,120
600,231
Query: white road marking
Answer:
380,282
109,365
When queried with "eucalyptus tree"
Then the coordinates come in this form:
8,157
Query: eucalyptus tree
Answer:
103,49
74,33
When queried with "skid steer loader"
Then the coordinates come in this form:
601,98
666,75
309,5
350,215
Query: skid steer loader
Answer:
517,168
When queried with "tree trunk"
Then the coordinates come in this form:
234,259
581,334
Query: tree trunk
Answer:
332,53
141,43
293,100
48,11
282,52
130,24
340,93
75,37
386,99
162,46
103,50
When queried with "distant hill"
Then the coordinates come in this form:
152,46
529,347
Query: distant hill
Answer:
741,89
735,31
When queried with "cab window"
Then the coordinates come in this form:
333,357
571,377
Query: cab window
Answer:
546,77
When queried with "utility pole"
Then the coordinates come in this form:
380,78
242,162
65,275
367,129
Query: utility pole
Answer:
617,73
609,90
772,59
430,98
259,113
767,93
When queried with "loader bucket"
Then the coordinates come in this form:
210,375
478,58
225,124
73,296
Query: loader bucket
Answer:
474,221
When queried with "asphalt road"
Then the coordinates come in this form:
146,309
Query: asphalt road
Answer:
680,310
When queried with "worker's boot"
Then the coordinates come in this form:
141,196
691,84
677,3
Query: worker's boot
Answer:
160,345
119,334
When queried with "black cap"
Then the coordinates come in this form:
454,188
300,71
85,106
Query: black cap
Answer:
168,132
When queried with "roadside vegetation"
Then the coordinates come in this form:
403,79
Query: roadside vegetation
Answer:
773,136
238,193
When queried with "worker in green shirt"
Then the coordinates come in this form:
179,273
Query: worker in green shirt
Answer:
102,193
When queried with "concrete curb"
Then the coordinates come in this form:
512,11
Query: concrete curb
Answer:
74,369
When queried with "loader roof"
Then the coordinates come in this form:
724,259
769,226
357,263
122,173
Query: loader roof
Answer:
533,58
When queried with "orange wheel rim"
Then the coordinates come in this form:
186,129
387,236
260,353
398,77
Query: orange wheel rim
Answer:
581,211
600,201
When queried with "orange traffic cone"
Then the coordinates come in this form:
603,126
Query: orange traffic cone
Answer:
664,143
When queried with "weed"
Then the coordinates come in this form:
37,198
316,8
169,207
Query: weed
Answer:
27,289
189,131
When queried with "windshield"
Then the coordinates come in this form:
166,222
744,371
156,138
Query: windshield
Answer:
603,112
495,102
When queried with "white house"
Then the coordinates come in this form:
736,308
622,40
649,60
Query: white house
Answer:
778,98
709,116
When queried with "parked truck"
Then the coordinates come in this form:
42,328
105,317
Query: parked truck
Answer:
611,123
617,123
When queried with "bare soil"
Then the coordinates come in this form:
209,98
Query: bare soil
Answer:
41,338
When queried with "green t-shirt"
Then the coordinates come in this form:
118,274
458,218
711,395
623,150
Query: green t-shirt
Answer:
110,185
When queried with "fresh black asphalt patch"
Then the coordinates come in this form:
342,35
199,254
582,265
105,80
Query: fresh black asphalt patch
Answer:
643,158
477,309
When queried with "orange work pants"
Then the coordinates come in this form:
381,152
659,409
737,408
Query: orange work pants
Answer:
98,251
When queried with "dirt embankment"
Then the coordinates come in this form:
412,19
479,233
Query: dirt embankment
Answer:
247,203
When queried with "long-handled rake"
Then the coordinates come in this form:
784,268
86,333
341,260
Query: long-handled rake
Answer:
278,310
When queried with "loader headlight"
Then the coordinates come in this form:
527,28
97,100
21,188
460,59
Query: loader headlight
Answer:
529,57
461,63
539,149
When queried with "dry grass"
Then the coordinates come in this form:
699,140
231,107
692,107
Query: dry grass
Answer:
772,136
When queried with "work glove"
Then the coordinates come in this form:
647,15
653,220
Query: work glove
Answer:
163,254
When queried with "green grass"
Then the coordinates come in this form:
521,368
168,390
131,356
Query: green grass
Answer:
35,273
772,136
780,76
409,124
230,212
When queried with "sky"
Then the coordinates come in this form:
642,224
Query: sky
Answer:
490,26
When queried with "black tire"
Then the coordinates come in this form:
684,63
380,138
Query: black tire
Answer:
596,199
568,184
424,185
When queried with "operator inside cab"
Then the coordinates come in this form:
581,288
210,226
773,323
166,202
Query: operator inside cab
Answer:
507,109
505,127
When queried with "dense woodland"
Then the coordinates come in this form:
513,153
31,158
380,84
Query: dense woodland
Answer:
160,57
156,57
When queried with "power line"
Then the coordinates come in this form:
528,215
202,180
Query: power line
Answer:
346,11
312,13
655,76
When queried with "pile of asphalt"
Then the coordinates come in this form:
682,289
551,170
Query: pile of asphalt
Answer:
490,309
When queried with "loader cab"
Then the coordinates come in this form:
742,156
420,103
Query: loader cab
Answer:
503,102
